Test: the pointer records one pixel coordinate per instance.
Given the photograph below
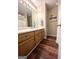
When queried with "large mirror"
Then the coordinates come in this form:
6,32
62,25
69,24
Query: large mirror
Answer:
29,15
26,15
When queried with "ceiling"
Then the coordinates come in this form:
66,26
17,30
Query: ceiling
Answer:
50,3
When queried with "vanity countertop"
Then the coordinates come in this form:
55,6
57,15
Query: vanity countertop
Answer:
28,29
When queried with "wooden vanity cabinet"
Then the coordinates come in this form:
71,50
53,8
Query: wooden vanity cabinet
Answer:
28,41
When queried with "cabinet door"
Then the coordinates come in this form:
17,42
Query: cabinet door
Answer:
37,36
26,46
42,34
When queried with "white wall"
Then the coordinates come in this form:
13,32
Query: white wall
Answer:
52,24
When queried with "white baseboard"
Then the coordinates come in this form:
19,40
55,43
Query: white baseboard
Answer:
22,57
51,35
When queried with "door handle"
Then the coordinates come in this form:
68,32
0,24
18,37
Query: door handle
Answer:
58,25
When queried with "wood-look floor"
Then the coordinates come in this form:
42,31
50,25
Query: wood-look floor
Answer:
47,49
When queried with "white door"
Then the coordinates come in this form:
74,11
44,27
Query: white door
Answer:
59,32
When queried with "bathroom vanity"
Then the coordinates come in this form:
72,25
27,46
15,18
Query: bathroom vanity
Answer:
31,28
28,40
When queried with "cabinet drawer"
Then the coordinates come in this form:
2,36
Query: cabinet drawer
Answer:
25,36
42,30
26,46
37,32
